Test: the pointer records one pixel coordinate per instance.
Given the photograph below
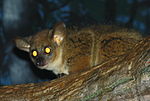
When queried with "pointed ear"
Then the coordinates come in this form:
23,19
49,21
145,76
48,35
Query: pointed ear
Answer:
23,43
59,33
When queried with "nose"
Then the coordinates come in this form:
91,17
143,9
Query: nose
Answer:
40,61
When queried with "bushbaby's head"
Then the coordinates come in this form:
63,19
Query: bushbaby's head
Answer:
43,47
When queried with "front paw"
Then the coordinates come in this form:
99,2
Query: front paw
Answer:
60,75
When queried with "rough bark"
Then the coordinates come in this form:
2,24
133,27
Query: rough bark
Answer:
121,79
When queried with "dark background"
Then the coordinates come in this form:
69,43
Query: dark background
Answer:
26,17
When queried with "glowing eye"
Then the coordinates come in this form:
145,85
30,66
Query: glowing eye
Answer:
47,50
34,53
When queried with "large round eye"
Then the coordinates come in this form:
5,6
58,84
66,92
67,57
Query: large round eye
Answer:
47,50
34,53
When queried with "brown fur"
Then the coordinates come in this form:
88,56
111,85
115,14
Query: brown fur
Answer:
94,45
84,48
